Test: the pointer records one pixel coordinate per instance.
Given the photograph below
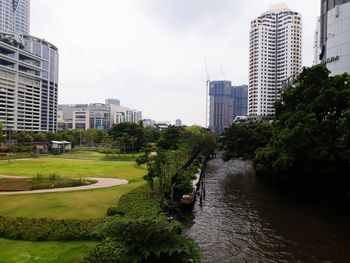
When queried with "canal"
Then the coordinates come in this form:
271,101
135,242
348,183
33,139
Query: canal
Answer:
242,220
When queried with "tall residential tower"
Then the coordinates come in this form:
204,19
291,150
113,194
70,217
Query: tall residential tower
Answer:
275,55
14,16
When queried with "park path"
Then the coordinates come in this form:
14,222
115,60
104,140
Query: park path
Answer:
101,183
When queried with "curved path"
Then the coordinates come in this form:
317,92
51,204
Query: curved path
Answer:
101,183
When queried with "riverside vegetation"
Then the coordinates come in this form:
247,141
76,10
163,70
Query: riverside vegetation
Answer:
307,146
137,228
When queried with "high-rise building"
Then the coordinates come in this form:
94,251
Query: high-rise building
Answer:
28,73
226,103
14,16
335,35
317,42
275,55
178,123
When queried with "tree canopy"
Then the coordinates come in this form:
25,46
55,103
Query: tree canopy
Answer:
310,141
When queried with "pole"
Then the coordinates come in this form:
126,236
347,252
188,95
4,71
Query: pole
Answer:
9,145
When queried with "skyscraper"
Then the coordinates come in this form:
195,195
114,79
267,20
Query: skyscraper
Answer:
226,102
28,73
14,16
335,35
275,55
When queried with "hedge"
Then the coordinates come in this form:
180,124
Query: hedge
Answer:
47,229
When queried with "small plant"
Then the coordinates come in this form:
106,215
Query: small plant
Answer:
54,176
38,177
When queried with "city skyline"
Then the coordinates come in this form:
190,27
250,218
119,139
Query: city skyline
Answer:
155,52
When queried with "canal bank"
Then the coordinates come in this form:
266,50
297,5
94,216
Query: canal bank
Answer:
241,220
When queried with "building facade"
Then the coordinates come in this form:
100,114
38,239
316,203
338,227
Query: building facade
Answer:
317,42
275,55
226,103
335,35
14,16
28,73
95,115
28,83
178,123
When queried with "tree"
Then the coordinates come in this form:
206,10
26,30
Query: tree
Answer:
144,240
242,140
171,138
310,142
124,131
2,126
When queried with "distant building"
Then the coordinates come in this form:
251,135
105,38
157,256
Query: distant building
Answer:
275,55
96,115
162,126
149,123
178,123
335,35
226,102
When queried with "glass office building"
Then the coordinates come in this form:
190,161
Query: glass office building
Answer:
335,35
28,83
28,73
226,103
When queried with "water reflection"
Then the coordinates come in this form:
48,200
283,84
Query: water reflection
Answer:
243,221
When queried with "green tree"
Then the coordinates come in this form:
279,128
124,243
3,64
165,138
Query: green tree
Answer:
171,138
125,132
310,142
242,140
2,126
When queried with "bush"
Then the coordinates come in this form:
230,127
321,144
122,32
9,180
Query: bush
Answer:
137,203
144,240
46,229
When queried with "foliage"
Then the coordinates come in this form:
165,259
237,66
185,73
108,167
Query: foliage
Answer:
129,136
242,140
145,240
54,181
140,232
47,229
137,203
171,138
310,142
2,126
152,135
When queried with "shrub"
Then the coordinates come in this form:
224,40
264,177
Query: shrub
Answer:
46,229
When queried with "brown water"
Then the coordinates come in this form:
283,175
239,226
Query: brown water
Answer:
241,220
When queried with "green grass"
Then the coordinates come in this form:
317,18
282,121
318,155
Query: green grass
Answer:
93,155
72,168
80,204
54,252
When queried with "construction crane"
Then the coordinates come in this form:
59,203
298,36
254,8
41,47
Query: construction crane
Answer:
207,99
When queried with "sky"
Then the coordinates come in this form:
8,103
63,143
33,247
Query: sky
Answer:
150,54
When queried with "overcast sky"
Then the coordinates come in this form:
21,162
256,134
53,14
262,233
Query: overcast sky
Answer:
150,53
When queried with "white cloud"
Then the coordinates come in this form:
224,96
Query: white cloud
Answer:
150,53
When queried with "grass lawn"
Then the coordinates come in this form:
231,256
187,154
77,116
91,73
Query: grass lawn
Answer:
56,252
79,204
93,155
72,168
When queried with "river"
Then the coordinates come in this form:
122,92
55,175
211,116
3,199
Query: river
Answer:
242,220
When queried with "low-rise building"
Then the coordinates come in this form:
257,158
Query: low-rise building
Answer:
95,115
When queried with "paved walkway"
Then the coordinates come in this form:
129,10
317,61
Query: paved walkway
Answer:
101,183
